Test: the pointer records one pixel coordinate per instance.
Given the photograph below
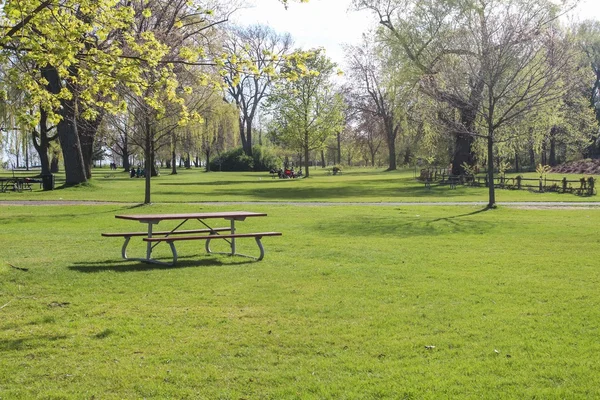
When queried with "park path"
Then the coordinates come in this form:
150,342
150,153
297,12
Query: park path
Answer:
517,204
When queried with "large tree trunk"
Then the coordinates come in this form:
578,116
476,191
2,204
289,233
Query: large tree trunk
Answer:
463,143
87,130
67,132
125,156
248,142
41,142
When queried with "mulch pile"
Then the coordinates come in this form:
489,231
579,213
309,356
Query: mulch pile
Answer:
586,167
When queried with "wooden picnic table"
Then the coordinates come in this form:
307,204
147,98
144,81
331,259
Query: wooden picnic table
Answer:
17,184
208,233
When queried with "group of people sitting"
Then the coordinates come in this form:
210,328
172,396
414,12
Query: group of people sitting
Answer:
286,173
137,173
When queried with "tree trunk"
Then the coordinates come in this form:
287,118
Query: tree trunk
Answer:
87,130
305,154
43,143
125,157
391,133
54,164
67,132
173,153
148,160
339,147
490,170
552,156
248,143
407,155
71,148
322,158
544,155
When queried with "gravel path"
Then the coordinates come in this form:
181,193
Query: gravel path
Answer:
530,204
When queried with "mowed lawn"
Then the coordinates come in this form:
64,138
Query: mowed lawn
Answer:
352,302
355,185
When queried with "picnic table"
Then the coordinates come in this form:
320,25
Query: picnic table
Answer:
206,232
17,184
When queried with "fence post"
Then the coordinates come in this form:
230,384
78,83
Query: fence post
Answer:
564,185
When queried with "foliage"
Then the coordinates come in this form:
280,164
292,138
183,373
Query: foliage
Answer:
237,160
543,170
307,111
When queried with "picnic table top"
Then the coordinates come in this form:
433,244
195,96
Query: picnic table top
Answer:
205,215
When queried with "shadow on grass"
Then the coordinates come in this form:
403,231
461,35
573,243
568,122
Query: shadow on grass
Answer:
138,266
315,193
20,344
462,215
406,225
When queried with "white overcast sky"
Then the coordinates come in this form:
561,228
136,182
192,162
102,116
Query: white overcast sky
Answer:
331,23
318,23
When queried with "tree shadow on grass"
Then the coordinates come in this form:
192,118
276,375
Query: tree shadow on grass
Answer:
317,193
20,344
406,225
461,215
138,266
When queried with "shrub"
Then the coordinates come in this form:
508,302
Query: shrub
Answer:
237,160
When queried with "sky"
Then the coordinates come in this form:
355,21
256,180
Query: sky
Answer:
331,23
318,23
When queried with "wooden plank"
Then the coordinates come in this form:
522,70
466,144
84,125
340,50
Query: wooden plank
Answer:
161,217
181,232
227,236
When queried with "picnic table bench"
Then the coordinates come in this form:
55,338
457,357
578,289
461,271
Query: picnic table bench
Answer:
153,238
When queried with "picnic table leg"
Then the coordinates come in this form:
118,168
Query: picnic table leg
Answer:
260,246
233,239
124,248
149,244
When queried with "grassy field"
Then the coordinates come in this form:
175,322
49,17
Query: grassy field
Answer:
353,302
355,185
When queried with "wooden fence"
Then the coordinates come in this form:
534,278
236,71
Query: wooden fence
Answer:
581,187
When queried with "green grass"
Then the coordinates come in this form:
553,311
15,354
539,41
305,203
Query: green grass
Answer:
355,185
342,306
347,304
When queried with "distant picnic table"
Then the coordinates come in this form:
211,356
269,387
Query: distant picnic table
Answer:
17,184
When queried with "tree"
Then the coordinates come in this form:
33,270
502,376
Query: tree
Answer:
588,37
427,33
248,83
494,61
379,89
308,110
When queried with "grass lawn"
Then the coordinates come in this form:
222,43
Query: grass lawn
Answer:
352,302
355,185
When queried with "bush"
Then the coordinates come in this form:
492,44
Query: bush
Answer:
237,160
